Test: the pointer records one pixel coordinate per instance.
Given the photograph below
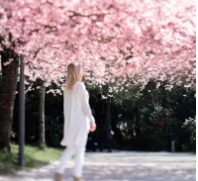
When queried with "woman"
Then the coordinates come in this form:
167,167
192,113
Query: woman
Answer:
78,121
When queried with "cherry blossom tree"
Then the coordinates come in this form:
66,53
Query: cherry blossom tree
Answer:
157,35
134,40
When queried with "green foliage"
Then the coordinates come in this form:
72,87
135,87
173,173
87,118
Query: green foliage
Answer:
53,117
190,130
151,118
142,119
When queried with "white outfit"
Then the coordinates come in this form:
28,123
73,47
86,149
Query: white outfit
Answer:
79,159
77,119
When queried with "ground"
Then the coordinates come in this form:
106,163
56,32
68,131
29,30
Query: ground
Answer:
122,166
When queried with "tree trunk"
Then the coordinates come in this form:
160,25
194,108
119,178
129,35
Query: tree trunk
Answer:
8,86
42,143
108,110
137,125
108,117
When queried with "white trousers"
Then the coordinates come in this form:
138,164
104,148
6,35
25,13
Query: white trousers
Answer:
79,153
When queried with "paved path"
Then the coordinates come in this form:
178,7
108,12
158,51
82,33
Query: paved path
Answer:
122,166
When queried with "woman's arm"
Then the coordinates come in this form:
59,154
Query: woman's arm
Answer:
84,96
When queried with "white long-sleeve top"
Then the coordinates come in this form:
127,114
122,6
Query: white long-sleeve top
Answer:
77,116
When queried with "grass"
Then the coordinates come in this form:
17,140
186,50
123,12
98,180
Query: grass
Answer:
34,158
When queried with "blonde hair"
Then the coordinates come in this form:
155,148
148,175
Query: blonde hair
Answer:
73,74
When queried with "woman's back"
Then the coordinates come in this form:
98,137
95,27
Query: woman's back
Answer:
72,102
76,123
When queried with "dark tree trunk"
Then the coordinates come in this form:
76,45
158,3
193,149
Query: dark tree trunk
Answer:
107,110
108,117
42,143
8,86
107,106
137,126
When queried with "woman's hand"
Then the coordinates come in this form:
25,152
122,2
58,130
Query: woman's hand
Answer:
92,127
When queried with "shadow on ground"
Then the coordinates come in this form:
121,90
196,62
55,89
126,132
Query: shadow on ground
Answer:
122,167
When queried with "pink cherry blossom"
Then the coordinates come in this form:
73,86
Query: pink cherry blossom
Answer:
138,40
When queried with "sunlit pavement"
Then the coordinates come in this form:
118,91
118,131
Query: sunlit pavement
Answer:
122,166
